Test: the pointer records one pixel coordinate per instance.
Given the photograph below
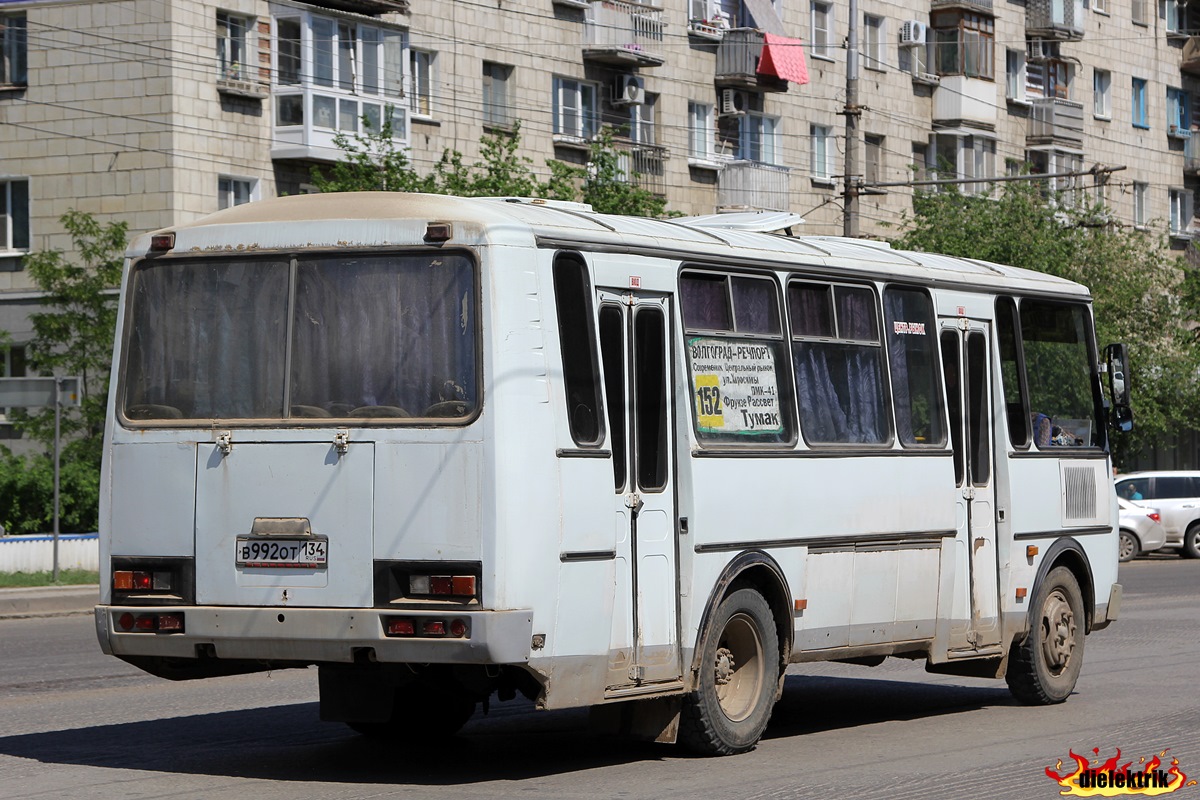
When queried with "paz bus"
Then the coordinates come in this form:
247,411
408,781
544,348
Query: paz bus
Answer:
446,448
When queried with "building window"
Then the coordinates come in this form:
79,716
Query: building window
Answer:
873,163
964,44
1102,94
822,30
1047,162
1014,75
232,33
1174,13
1178,112
920,161
1140,119
874,49
497,106
421,75
575,108
12,50
821,163
1181,211
14,216
641,120
1141,216
701,134
1138,12
966,157
289,56
759,139
234,191
1100,6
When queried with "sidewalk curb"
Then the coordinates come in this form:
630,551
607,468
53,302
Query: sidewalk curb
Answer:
48,601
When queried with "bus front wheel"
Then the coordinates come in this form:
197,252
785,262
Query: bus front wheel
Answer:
1043,667
739,671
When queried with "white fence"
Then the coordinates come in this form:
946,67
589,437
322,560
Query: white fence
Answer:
36,553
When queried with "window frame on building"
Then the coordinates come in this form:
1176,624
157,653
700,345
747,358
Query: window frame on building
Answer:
1179,203
759,138
422,74
821,16
1138,103
959,34
974,158
1141,197
1179,112
497,106
821,149
874,42
874,158
233,190
14,50
1174,16
14,217
234,45
1102,94
702,132
1015,76
585,96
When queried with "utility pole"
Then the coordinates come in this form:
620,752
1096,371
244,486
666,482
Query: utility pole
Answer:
852,111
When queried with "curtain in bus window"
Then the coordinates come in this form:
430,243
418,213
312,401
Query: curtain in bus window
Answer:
705,302
840,390
384,336
206,340
912,355
754,306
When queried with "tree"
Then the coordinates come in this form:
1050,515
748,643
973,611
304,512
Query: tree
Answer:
74,334
611,189
371,162
1139,288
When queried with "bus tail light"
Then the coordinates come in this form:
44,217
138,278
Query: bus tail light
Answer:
151,580
150,622
442,585
422,628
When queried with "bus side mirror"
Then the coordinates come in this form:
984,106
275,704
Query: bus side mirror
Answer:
1117,358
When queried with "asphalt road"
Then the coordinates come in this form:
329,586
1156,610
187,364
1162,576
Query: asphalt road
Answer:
77,724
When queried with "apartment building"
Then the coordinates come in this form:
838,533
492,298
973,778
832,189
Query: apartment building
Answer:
159,111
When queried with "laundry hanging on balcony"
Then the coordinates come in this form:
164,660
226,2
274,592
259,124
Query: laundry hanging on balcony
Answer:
783,58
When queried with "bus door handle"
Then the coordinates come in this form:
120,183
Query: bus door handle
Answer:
634,502
969,493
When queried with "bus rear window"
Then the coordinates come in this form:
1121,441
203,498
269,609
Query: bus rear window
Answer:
371,337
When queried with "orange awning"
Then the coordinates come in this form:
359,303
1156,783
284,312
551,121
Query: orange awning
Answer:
783,58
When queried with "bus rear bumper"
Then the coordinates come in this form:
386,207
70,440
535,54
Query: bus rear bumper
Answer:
315,635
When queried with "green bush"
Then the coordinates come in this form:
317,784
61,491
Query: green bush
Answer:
27,492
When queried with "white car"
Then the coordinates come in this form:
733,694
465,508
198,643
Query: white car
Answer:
1141,530
1176,495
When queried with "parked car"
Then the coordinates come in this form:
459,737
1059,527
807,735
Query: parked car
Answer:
1141,530
1176,495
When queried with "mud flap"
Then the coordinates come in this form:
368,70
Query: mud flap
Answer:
655,720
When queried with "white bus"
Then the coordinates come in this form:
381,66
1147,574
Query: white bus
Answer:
446,448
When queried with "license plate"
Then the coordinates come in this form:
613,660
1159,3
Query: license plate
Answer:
293,553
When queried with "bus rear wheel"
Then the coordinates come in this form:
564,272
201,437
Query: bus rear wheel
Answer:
739,672
1044,666
421,710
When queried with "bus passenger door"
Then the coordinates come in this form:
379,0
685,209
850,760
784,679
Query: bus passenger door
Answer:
966,365
635,347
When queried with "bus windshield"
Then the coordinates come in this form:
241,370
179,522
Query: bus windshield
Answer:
357,336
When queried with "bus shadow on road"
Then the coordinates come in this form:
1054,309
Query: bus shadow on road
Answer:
513,742
814,703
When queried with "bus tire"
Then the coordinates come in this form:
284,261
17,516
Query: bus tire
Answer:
421,711
1043,667
739,673
1191,542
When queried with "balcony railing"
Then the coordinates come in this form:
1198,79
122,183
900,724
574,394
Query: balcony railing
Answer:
1052,120
644,165
958,98
981,6
750,184
737,61
307,120
1191,156
624,34
1055,19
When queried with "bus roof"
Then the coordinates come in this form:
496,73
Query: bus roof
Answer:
380,219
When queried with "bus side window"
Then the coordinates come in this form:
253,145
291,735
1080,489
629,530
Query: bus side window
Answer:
912,352
577,340
1016,402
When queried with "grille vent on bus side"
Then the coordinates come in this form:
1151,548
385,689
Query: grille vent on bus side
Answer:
1080,490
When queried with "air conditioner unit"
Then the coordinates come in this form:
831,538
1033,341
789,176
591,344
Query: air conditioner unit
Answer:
734,102
1041,50
628,90
912,33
